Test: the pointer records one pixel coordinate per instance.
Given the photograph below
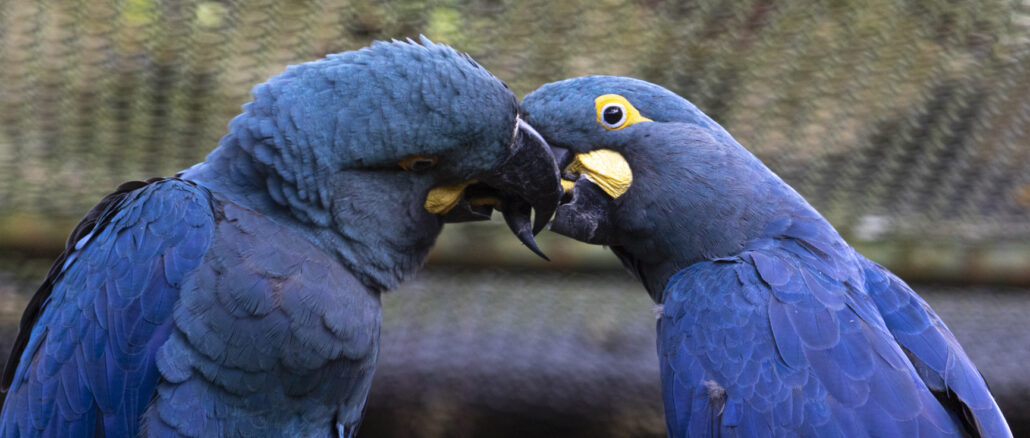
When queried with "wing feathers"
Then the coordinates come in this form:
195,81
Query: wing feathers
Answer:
89,336
801,339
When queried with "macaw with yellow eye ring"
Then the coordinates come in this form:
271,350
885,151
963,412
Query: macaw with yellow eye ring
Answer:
770,324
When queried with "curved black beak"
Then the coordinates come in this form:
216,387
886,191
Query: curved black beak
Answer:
527,180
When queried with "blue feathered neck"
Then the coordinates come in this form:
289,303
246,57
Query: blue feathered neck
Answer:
698,195
380,253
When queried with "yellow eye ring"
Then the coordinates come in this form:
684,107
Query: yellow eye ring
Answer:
614,112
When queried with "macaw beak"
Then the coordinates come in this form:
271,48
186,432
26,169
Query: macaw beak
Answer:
527,180
592,181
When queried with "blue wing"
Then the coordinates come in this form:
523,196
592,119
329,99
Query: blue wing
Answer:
84,360
788,338
935,353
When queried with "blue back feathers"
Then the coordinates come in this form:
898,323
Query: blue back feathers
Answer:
88,363
803,336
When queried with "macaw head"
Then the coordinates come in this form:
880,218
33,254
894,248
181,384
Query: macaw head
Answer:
648,174
381,146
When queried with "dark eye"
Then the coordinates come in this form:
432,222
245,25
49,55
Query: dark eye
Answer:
613,115
418,163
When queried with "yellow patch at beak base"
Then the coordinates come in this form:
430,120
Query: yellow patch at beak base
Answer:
606,168
442,199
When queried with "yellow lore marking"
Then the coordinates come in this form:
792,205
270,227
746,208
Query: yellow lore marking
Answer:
442,199
606,168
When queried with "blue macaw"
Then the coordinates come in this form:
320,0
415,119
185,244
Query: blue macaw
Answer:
242,296
769,323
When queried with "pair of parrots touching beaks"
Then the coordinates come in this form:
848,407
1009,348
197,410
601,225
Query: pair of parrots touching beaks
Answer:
241,297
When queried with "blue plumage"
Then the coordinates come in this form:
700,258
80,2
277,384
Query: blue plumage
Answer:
242,297
785,309
771,325
108,314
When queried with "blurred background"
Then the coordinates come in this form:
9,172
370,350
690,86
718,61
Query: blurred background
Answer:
905,122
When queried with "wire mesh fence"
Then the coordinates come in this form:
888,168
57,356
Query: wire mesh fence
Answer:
895,118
